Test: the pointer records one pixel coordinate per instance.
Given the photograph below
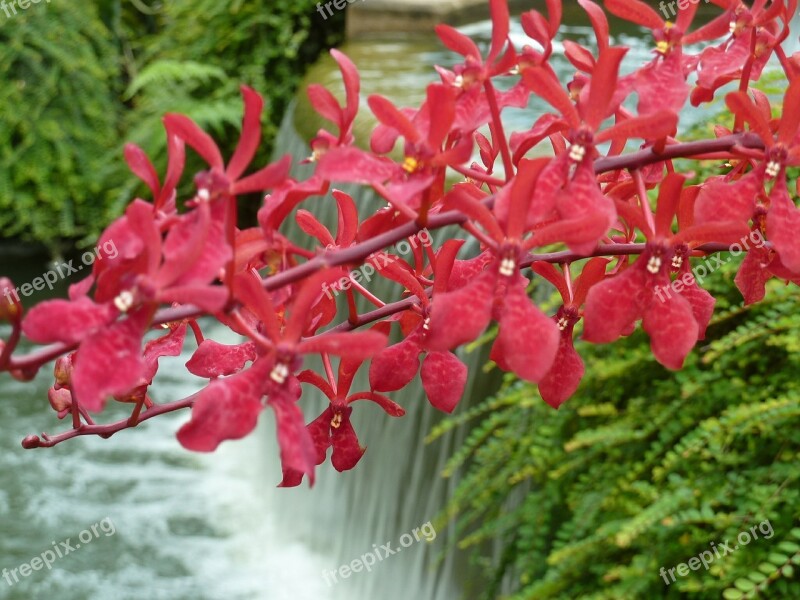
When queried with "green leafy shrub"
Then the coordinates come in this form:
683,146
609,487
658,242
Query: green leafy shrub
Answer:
201,51
81,79
59,115
644,468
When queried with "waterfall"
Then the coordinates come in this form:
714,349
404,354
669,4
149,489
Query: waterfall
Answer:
397,485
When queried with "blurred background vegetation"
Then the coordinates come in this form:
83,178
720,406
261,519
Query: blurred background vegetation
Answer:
81,79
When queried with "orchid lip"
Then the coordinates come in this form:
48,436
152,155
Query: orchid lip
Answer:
577,153
124,302
654,265
773,168
279,373
508,267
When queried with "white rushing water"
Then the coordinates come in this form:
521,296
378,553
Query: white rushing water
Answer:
176,525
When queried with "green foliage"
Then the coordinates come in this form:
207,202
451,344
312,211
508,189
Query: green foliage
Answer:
644,468
81,79
201,51
59,112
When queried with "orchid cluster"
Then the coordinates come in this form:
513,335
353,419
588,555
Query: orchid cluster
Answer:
567,202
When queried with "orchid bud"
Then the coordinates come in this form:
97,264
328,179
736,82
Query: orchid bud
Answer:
63,371
31,441
10,306
60,399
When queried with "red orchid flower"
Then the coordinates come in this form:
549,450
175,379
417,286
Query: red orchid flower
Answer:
228,408
345,237
178,268
228,181
472,79
754,34
581,57
475,69
347,223
108,361
164,198
783,218
332,428
567,371
542,29
429,150
674,321
326,105
528,340
568,203
134,283
444,376
760,264
661,84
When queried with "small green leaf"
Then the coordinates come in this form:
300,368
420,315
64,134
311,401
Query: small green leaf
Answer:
757,577
732,594
767,568
789,547
777,558
788,571
745,585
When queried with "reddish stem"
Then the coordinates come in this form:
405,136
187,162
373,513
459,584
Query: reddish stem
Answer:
8,349
356,253
106,431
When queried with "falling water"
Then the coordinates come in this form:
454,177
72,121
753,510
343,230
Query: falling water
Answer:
397,485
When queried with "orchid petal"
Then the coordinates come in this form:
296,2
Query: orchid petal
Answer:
528,339
140,165
212,359
250,136
783,223
444,378
109,362
347,450
461,316
672,329
394,367
198,139
566,373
